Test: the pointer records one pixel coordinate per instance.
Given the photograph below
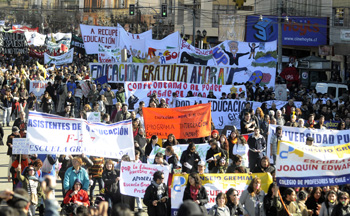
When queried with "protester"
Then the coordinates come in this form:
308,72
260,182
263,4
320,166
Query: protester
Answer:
214,154
315,200
270,209
189,159
196,192
329,204
76,172
290,206
156,196
343,207
110,177
95,174
241,149
257,146
252,198
264,166
233,202
76,197
220,209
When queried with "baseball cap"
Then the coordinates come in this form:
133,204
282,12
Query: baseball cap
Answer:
201,163
15,129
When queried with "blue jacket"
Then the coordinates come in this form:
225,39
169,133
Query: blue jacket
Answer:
42,157
71,176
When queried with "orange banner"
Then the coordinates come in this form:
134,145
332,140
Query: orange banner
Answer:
184,122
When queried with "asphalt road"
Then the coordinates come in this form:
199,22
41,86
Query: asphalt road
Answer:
4,161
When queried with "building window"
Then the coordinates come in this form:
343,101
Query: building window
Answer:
338,16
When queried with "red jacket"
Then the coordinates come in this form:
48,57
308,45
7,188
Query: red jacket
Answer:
82,196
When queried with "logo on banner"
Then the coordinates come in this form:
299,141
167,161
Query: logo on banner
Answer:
265,30
291,150
178,183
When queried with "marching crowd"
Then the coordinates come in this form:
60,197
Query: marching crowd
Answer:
32,175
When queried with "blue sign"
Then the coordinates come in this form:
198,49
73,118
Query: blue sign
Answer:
307,31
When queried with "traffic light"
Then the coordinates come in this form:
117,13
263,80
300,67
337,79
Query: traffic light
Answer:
131,9
164,10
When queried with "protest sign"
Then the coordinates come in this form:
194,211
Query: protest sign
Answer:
214,184
108,140
134,43
85,87
13,43
299,135
108,55
184,122
178,150
37,87
312,166
36,54
78,44
136,177
164,89
93,116
223,112
35,38
95,35
20,146
51,134
281,92
121,72
66,58
60,38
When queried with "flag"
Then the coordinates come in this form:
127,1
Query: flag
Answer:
103,81
246,136
41,67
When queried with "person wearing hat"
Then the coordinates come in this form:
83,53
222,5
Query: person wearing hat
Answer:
76,196
309,141
109,95
201,167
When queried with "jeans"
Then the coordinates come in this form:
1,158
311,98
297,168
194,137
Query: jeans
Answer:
77,103
100,184
7,115
31,211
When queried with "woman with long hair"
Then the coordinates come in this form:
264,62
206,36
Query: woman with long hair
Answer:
264,166
270,209
220,208
189,159
110,177
46,103
252,199
171,141
242,148
151,145
315,200
196,192
329,204
290,206
233,202
232,141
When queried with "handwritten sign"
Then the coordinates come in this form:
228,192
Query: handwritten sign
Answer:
20,146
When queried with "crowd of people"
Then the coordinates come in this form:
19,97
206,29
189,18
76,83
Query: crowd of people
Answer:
32,175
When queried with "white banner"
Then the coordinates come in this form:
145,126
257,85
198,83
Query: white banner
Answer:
95,35
136,177
51,134
106,55
223,112
93,116
59,38
143,90
35,38
66,58
37,87
171,41
20,146
312,166
109,140
299,135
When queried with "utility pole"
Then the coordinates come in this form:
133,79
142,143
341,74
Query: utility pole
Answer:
279,42
194,23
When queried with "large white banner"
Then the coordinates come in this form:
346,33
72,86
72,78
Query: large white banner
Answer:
60,38
136,177
171,41
299,135
141,91
223,112
312,166
66,58
95,35
51,134
37,87
35,38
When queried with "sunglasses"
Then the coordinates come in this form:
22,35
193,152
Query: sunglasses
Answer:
343,198
239,161
30,169
234,195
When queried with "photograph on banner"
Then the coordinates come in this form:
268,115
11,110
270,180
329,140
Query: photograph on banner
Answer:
178,150
108,140
37,87
184,122
95,35
35,38
20,146
255,62
13,43
223,112
52,134
144,91
312,166
299,135
93,117
121,72
108,55
136,177
214,184
66,58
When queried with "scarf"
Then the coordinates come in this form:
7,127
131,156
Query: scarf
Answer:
160,189
194,192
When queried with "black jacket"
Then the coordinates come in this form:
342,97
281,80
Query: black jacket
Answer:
340,210
202,197
211,152
109,179
142,143
235,209
259,169
150,196
192,158
149,149
70,100
172,161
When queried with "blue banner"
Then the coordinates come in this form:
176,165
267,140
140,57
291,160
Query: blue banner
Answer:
297,31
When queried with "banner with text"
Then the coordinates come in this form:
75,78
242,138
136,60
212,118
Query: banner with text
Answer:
214,184
37,87
312,166
66,58
136,177
13,43
78,44
184,122
108,55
